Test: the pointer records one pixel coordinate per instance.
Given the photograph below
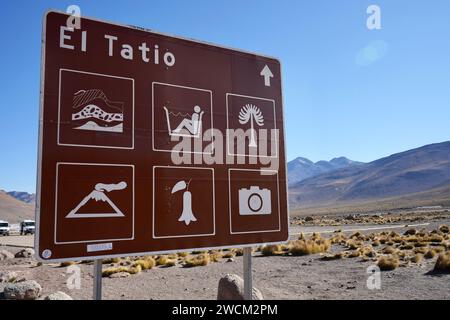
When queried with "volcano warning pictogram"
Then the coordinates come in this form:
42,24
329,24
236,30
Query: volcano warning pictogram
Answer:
98,200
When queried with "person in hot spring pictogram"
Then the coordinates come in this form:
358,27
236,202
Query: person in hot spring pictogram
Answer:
192,125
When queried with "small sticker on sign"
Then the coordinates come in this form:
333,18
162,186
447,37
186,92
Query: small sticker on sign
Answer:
99,247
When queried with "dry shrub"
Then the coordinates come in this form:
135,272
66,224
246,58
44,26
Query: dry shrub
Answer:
339,238
109,271
135,269
401,255
394,234
305,247
183,254
353,244
216,256
436,238
170,263
198,252
238,252
412,239
444,229
354,254
272,249
422,250
407,247
67,263
145,264
368,252
110,260
199,260
420,244
430,254
335,256
229,254
389,250
162,260
397,239
410,232
416,258
357,235
439,249
443,263
316,236
387,263
376,243
422,233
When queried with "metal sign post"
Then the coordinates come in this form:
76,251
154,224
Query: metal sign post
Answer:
248,286
97,279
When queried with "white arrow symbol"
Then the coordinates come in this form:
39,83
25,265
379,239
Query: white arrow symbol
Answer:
267,74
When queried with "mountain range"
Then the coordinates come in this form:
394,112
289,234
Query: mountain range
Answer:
301,168
425,169
23,196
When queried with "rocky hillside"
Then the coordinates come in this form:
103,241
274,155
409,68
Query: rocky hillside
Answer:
14,210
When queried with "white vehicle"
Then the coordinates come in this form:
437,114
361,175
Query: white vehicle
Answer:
26,227
4,228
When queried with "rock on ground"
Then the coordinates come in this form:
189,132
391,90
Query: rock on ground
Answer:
231,287
25,253
26,290
4,254
7,276
59,295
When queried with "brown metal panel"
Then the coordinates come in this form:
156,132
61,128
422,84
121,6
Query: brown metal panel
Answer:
109,182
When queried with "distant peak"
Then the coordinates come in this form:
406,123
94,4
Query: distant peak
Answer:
302,160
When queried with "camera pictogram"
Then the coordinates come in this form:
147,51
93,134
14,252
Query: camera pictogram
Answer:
254,201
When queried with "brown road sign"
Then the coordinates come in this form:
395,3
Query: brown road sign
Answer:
150,143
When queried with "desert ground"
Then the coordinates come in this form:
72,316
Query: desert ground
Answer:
330,261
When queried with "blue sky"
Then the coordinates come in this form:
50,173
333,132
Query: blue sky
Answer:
348,91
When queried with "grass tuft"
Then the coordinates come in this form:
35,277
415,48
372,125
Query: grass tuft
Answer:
410,232
110,260
443,263
145,264
387,263
67,263
336,256
444,229
430,254
199,260
272,250
306,247
417,258
215,256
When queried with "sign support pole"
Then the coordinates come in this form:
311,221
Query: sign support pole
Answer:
97,279
248,286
